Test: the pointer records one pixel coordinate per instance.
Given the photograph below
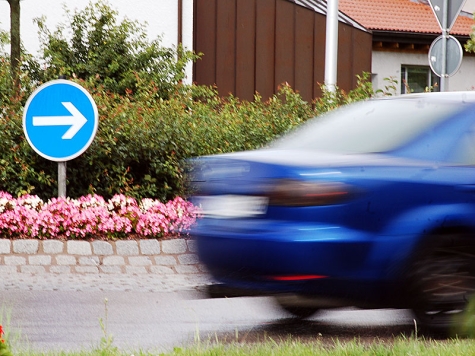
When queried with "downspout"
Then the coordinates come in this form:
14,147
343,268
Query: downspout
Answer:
180,23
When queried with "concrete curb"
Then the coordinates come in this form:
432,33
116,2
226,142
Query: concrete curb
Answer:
177,256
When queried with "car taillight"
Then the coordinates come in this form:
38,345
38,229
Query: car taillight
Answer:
289,192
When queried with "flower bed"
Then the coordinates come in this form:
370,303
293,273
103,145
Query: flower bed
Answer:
92,216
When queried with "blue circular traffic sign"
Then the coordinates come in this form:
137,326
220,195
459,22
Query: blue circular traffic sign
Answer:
60,120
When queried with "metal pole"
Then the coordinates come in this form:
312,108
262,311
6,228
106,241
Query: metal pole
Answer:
444,76
61,179
331,45
62,170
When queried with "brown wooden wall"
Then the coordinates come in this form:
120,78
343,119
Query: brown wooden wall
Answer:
256,45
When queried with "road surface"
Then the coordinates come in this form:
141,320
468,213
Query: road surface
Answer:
65,313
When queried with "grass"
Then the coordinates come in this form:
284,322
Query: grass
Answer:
355,347
398,347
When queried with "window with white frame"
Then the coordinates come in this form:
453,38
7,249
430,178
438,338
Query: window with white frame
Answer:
418,79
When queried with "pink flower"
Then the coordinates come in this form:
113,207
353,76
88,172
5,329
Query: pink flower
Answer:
91,216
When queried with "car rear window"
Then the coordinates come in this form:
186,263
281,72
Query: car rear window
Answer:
369,127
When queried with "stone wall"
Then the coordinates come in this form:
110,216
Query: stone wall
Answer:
177,256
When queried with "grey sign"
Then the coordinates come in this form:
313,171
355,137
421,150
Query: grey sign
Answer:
450,13
453,56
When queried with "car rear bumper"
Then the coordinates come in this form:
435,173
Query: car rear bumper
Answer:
270,253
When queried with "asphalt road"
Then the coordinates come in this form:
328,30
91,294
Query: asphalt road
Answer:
159,321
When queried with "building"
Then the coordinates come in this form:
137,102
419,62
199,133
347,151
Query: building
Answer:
254,46
403,31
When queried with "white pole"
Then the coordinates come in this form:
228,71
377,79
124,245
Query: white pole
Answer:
331,45
444,77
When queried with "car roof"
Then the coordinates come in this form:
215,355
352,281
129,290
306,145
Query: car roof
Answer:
461,96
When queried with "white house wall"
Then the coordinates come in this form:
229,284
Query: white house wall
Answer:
464,79
187,33
388,65
161,17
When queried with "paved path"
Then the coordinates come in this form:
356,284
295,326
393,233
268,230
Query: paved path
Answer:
103,282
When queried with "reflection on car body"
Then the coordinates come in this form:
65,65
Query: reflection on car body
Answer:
371,205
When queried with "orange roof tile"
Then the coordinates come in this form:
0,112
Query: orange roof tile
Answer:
411,16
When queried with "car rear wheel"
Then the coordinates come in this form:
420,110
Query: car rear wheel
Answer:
443,281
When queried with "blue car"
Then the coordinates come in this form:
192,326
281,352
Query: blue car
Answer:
371,206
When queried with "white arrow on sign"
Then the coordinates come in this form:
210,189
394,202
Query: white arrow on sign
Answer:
76,121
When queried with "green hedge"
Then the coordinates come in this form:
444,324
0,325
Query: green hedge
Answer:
141,143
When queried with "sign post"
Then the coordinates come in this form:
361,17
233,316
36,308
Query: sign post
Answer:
60,120
446,12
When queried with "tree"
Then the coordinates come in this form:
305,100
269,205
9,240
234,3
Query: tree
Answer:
470,45
15,42
96,47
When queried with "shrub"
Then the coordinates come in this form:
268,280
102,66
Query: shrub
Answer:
96,47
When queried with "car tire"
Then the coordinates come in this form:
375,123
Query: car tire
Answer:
442,284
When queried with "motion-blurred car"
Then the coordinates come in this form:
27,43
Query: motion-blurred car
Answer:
371,205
